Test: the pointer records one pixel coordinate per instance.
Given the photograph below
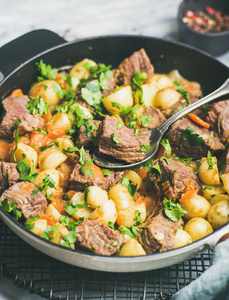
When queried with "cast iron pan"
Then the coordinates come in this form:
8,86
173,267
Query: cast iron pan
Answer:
17,64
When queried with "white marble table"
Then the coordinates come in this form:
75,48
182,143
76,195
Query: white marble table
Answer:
74,19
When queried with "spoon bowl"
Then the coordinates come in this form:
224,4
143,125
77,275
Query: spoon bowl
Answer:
109,162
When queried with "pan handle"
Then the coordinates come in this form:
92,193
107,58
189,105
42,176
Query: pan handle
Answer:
24,47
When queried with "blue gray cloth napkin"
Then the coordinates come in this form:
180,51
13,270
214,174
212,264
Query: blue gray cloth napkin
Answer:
213,284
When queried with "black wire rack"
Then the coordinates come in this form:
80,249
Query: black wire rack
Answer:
52,279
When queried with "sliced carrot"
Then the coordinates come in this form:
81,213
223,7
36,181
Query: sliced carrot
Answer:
187,196
28,186
56,133
37,140
142,172
58,204
97,172
60,80
50,220
17,92
161,152
190,186
5,151
71,193
198,120
47,116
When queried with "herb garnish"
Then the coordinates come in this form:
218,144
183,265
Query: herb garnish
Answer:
46,71
132,188
145,148
136,82
26,172
165,143
173,210
30,224
209,161
11,207
48,182
37,106
115,139
192,138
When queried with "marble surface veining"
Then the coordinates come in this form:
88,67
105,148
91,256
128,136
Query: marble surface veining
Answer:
75,19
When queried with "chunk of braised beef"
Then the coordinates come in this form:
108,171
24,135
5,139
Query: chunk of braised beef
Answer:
87,134
121,143
9,174
212,113
159,233
139,62
180,140
156,115
21,194
223,161
15,109
176,177
98,237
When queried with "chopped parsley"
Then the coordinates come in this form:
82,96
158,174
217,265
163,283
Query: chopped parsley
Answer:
106,172
119,125
46,71
173,210
73,206
47,183
26,172
34,193
145,148
123,109
137,219
115,139
11,208
37,106
87,172
192,138
150,166
30,224
16,136
113,244
69,239
136,82
111,225
126,231
165,143
132,188
181,90
50,232
19,121
209,161
145,120
42,148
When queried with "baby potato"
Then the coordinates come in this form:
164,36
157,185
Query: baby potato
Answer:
122,97
95,196
131,248
52,212
53,173
149,93
48,89
160,81
197,206
63,143
79,71
39,226
121,196
225,179
105,213
51,158
126,217
134,177
29,152
198,228
207,174
59,121
182,238
61,232
212,190
218,198
166,98
84,212
118,118
75,81
218,215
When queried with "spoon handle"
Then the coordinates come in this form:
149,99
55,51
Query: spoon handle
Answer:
221,91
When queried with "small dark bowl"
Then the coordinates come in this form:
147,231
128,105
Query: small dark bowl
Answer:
212,43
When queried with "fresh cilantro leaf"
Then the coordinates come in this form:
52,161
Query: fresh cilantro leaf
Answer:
173,210
136,132
26,172
83,155
115,139
50,231
207,188
11,207
137,219
64,220
119,125
30,224
91,93
123,109
16,136
181,90
111,224
106,172
113,244
150,166
209,161
145,148
69,239
46,71
72,207
42,148
136,82
87,190
65,106
167,161
47,183
87,172
19,121
145,120
34,193
126,231
132,188
165,143
41,130
65,197
192,138
37,106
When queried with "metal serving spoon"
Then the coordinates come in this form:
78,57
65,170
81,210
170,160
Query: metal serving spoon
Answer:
110,162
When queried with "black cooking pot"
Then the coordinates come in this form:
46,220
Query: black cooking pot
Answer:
17,64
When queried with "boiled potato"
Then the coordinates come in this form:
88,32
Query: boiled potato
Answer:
206,175
74,82
134,177
126,217
52,212
61,232
196,206
131,248
149,93
48,89
122,97
95,196
218,215
121,196
160,81
84,212
79,71
59,121
166,98
198,228
118,118
53,173
63,143
218,198
182,238
212,190
105,213
29,152
225,179
51,158
39,226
